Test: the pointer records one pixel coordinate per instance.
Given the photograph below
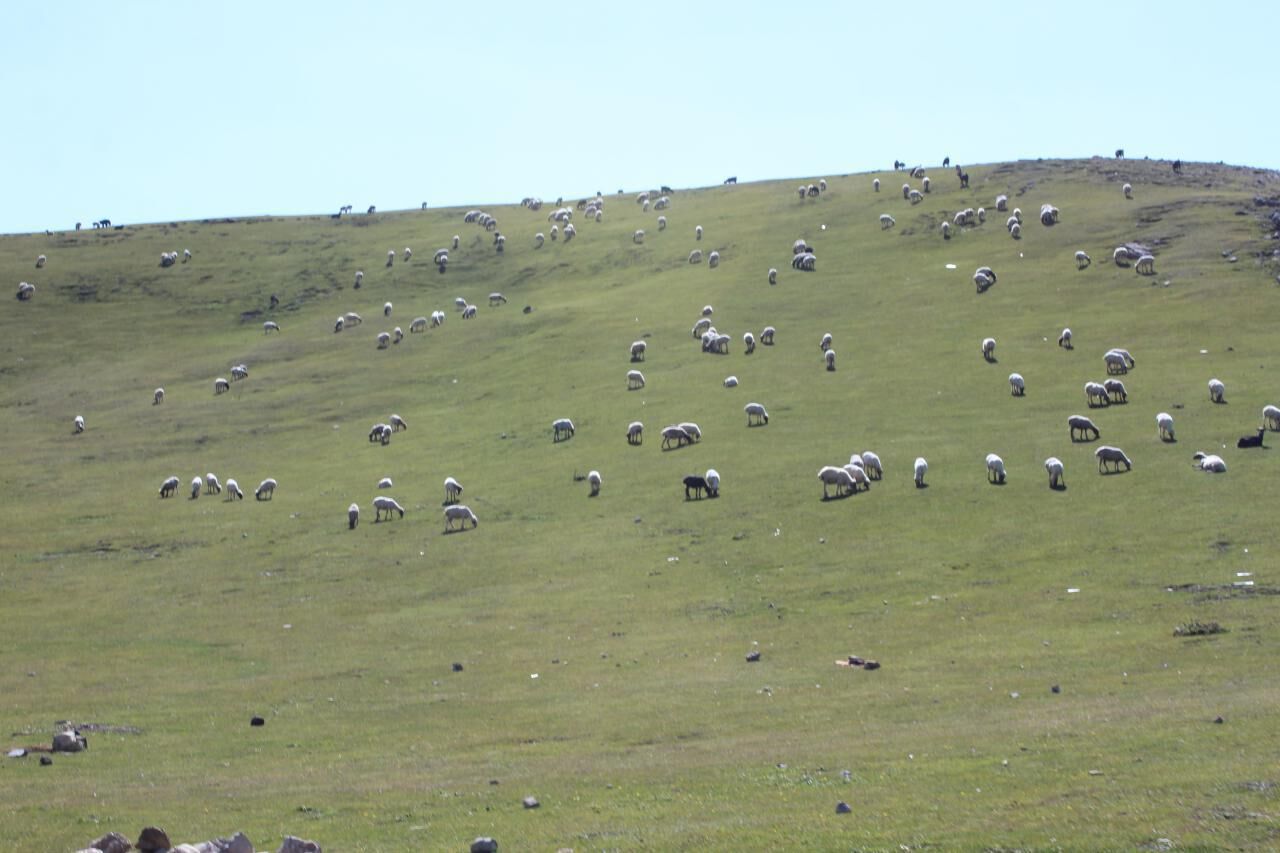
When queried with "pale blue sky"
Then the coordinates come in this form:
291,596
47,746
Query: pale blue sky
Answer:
157,111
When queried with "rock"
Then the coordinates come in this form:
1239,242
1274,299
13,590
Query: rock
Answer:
843,808
1056,689
484,844
153,839
112,842
297,845
257,721
70,741
753,656
457,667
531,802
45,761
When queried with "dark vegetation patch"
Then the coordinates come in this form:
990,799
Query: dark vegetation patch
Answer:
1196,628
1222,591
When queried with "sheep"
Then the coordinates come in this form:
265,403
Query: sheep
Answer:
748,343
1164,426
1082,260
695,257
1124,353
984,278
697,232
385,504
461,514
384,340
437,318
233,491
397,335
675,434
906,191
538,240
593,480
713,260
1054,466
887,221
871,463
692,430
398,423
562,428
1017,215
920,468
662,203
731,382
1127,189
353,516
1096,394
1083,425
915,197
1116,363
1146,265
713,482
1217,391
212,484
1120,256
1113,455
635,380
1116,390
995,469
662,223
1011,222
829,358
386,309
806,262
186,255
452,491
419,324
635,432
351,318
1048,215
339,325
638,236
1064,339
756,414
169,486
638,350
875,185
701,327
825,343
1271,417
266,490
924,184
385,483
391,256
25,291
982,215
380,433
1015,231
40,261
695,483
239,371
708,310
1002,203
1017,386
773,276
270,326
1252,440
766,336
1209,462
196,483
946,230
569,232
831,475
158,397
220,385
989,349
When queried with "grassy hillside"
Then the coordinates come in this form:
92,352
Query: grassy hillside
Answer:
603,640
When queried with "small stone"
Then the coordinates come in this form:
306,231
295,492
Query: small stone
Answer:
1218,720
457,667
753,656
1095,772
484,844
1055,689
257,721
843,808
45,761
530,802
493,781
152,839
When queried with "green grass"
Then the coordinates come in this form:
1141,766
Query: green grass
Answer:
644,726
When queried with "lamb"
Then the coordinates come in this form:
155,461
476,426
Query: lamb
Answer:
766,336
1146,265
662,223
831,475
1113,455
1116,390
635,380
638,350
756,414
675,434
398,423
593,480
385,504
1271,417
1082,260
697,232
638,236
1209,462
887,221
1127,189
825,343
1164,426
211,484
419,324
695,257
749,342
1251,440
829,357
452,491
871,463
385,483
220,385
635,432
1017,386
353,516
386,309
1054,466
1064,340
921,467
995,469
562,428
270,326
773,276
168,487
713,260
989,349
196,483
731,382
158,397
1217,391
461,514
266,490
384,340
233,491
1096,394
695,483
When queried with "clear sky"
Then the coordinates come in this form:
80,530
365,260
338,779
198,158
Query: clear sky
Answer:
157,111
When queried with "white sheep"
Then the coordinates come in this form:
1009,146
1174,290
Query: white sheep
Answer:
915,196
713,260
1121,256
1115,362
921,467
858,476
353,516
924,184
239,371
748,342
982,215
456,241
1015,231
989,349
419,324
593,480
78,423
875,185
1002,203
339,325
562,428
398,423
397,335
831,475
692,430
437,318
1271,417
1146,265
1017,386
1017,215
635,432
887,221
675,434
266,490
731,382
697,232
756,413
384,340
270,326
359,279
169,486
825,343
906,191
638,236
1096,394
220,385
701,327
233,491
1209,462
385,483
452,490
984,278
695,257
211,483
461,514
713,482
766,336
1082,260
40,261
1127,189
1064,339
1054,466
871,463
408,253
1083,425
635,380
569,232
1217,391
25,291
196,483
1113,455
708,310
773,276
1116,390
995,469
1123,353
538,240
386,309
946,230
385,504
1048,215
1010,222
1164,426
351,318
829,357
391,256
158,397
662,223
638,349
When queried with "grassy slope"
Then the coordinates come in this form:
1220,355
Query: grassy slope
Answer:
644,727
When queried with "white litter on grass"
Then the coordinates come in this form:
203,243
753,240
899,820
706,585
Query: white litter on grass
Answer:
951,266
1244,574
1073,589
1243,583
287,627
1204,352
533,675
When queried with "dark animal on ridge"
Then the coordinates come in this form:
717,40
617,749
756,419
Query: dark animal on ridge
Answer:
731,180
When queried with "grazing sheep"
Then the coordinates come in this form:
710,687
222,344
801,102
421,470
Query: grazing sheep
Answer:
1064,340
638,236
829,357
78,423
408,253
385,483
697,232
1116,390
496,298
380,433
353,516
713,260
1251,440
635,380
638,349
1054,466
773,276
233,491
461,514
1017,215
887,221
1164,426
1015,231
437,318
1209,462
906,191
186,255
1096,394
989,349
391,256
1217,391
1146,265
562,428
662,223
1124,353
460,303
825,343
398,423
384,340
386,309
220,385
211,484
766,336
707,310
239,371
1002,203
831,475
871,463
1127,189
593,480
701,327
982,215
635,432
1082,424
569,232
397,335
924,184
713,482
806,262
266,490
693,430
921,467
675,434
695,483
731,382
469,312
1271,417
748,343
1017,387
1120,256
339,325
1048,215
995,469
351,318
983,278
538,240
1082,260
875,185
385,504
915,197
1011,222
419,324
1116,363
158,397
946,230
695,257
452,490
270,326
1113,455
196,483
40,261
25,291
169,486
359,279
756,414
